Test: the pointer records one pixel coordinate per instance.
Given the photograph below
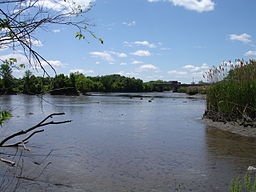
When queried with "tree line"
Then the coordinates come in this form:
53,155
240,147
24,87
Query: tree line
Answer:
72,84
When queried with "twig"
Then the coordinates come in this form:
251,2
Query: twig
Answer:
12,163
23,132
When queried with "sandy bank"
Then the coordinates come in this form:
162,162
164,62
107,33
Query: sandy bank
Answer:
232,127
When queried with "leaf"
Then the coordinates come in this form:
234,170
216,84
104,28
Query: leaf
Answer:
101,40
4,115
79,35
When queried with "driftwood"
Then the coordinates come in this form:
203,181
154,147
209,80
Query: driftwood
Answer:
31,131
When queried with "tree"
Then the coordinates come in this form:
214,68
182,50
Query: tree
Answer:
7,78
21,19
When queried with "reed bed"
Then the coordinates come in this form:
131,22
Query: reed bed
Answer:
234,97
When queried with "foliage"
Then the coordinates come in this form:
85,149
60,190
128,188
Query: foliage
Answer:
77,82
4,115
235,96
6,75
243,184
219,73
192,90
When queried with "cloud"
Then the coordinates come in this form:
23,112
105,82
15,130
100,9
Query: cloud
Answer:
147,67
53,63
103,55
250,53
35,42
141,53
151,1
245,38
189,72
64,6
145,43
135,62
81,71
195,5
179,73
118,54
21,59
108,55
56,30
193,68
140,43
129,24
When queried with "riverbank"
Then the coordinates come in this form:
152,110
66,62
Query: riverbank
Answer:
232,127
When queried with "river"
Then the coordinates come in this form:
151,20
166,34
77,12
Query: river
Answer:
150,142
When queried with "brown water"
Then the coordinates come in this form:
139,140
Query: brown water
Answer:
120,144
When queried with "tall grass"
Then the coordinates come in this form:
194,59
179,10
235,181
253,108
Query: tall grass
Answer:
243,184
235,96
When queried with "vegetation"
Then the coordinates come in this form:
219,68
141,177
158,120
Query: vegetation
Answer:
71,84
234,98
192,90
243,184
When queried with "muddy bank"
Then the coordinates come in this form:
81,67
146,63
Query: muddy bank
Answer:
232,127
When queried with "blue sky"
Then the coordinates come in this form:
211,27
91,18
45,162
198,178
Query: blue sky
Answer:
153,39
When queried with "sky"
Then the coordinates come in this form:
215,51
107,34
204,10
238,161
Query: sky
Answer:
171,40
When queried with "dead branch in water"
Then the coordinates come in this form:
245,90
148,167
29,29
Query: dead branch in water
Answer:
32,131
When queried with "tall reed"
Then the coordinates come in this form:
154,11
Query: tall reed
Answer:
235,96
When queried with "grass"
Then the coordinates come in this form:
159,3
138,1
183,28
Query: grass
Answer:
243,184
235,96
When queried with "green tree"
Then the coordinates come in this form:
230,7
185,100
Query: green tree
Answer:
7,77
27,82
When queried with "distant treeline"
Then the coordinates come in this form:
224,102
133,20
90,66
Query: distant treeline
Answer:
72,84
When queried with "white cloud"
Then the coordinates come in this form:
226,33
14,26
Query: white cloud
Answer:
193,68
147,67
118,54
179,73
129,24
108,55
64,6
141,53
56,30
21,59
103,55
245,38
145,43
151,1
195,5
250,53
53,63
140,43
81,71
137,62
35,42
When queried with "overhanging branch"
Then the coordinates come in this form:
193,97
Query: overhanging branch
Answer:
43,123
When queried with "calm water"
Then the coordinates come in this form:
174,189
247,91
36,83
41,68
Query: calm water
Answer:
121,144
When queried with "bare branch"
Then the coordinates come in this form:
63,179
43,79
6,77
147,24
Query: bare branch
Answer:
17,25
23,132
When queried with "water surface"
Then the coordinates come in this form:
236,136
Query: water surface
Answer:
120,142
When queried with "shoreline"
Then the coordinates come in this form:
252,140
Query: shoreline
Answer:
232,127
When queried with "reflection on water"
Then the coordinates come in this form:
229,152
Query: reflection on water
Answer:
123,143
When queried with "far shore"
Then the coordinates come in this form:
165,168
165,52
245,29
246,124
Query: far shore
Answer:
232,127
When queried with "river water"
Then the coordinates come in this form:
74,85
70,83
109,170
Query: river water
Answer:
153,142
